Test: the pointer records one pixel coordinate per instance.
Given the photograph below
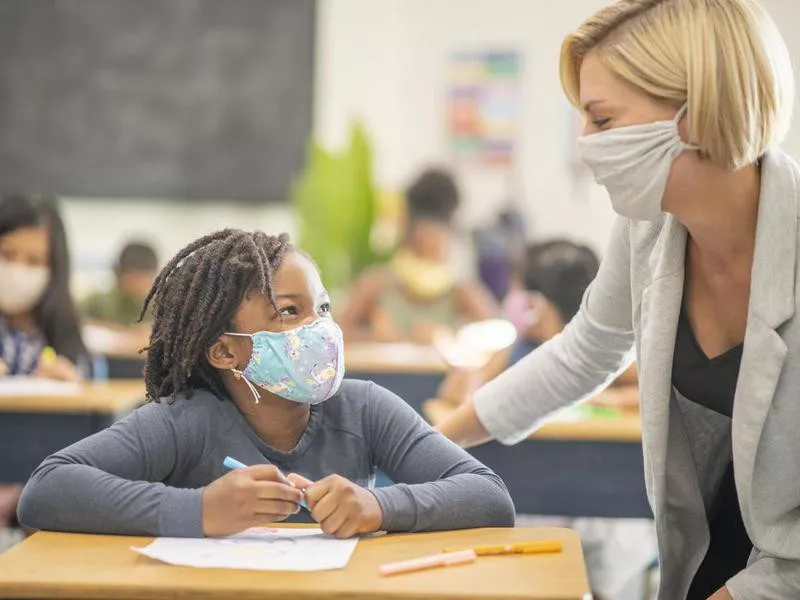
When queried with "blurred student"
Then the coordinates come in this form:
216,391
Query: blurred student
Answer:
39,328
135,270
545,295
39,325
418,292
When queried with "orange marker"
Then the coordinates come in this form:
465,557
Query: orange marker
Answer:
535,547
447,559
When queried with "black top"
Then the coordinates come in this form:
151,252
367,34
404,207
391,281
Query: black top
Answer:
711,382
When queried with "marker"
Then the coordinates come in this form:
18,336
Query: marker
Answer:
48,356
534,547
446,559
232,463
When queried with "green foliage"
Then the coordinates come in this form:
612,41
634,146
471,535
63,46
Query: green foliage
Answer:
334,199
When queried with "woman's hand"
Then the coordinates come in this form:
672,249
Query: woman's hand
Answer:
3,369
722,594
342,508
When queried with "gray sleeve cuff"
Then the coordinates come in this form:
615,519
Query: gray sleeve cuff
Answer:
181,513
398,507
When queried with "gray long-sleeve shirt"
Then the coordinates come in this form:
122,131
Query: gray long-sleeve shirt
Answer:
144,475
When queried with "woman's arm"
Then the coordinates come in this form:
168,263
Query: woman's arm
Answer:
574,365
768,578
439,486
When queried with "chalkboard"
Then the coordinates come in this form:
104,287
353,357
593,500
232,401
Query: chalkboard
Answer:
155,98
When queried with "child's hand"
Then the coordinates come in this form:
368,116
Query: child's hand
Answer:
342,508
57,367
247,497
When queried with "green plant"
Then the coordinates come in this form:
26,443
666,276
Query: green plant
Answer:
334,199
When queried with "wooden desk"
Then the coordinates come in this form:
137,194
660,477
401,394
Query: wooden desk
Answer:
590,468
60,565
412,372
393,358
31,428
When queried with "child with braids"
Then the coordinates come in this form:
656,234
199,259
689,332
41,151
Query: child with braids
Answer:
246,361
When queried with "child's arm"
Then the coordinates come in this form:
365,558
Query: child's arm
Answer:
108,483
440,486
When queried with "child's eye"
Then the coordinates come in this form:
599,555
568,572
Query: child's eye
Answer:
288,310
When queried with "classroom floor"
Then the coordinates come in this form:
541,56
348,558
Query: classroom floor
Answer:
618,553
8,537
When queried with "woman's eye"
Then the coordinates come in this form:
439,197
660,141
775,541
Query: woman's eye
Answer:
288,310
600,122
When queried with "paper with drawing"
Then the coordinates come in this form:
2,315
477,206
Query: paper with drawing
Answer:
263,548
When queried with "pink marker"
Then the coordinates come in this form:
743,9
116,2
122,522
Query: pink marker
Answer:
447,559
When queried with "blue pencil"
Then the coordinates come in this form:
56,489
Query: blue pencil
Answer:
232,463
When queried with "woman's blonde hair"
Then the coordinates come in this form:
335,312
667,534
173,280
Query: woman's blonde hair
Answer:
725,58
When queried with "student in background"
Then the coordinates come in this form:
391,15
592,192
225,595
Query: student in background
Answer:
418,292
135,270
246,361
36,308
546,294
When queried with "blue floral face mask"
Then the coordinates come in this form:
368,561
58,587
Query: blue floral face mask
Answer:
305,365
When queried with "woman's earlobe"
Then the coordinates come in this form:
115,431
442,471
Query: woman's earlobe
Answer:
220,355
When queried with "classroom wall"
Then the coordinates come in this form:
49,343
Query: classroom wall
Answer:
385,63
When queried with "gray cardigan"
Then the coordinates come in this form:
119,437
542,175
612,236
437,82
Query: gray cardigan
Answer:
634,304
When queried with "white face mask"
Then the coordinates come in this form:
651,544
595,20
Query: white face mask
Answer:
633,163
21,286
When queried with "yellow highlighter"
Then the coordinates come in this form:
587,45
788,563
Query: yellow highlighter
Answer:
48,356
533,547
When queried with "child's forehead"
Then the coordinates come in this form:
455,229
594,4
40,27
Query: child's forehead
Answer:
297,275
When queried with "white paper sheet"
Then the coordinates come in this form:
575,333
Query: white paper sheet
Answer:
262,548
33,386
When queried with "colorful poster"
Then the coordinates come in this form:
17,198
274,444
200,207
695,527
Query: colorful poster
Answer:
483,107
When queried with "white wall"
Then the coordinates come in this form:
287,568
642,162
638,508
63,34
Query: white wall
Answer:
384,61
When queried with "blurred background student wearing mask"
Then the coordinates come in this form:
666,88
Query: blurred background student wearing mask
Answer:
546,293
39,326
37,312
418,292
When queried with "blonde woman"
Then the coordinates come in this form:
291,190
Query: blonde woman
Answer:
685,101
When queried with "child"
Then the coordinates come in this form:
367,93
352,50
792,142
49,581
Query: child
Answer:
418,293
135,271
36,307
246,361
549,287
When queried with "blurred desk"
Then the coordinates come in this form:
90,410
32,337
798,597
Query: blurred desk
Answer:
32,427
412,372
64,565
576,467
119,348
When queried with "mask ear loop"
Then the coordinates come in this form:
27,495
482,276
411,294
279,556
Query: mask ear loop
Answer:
677,120
240,374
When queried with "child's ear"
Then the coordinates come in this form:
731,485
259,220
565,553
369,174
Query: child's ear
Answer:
221,355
